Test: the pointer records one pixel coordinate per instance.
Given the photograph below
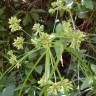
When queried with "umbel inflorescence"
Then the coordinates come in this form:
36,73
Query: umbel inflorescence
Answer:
42,40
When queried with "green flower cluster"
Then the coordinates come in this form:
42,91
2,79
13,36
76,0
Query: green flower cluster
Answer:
67,28
14,24
41,39
43,83
62,87
75,37
60,5
13,58
78,37
18,43
38,28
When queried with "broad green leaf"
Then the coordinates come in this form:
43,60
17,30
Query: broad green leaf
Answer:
82,14
38,10
93,67
8,91
35,16
39,69
58,47
2,28
59,29
93,39
26,20
88,4
86,83
81,11
2,11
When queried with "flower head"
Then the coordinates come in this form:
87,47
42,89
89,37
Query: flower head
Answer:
42,82
38,28
45,40
18,65
18,43
10,53
77,38
73,37
41,39
62,87
58,5
14,24
54,89
13,58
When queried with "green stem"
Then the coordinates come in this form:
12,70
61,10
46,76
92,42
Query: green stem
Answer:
47,65
53,59
56,65
33,67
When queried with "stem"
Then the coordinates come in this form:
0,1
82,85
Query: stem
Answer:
52,62
26,33
53,59
55,20
54,72
55,65
78,77
33,67
78,65
47,65
72,20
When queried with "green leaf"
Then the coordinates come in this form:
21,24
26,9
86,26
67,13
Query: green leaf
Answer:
35,16
59,47
26,20
81,11
88,4
39,69
59,29
2,11
82,14
2,28
93,67
37,10
86,83
8,91
93,39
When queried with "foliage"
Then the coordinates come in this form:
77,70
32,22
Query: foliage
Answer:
47,48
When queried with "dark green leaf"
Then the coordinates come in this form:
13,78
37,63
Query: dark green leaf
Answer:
26,20
2,28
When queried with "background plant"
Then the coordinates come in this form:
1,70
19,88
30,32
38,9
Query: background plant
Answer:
40,52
